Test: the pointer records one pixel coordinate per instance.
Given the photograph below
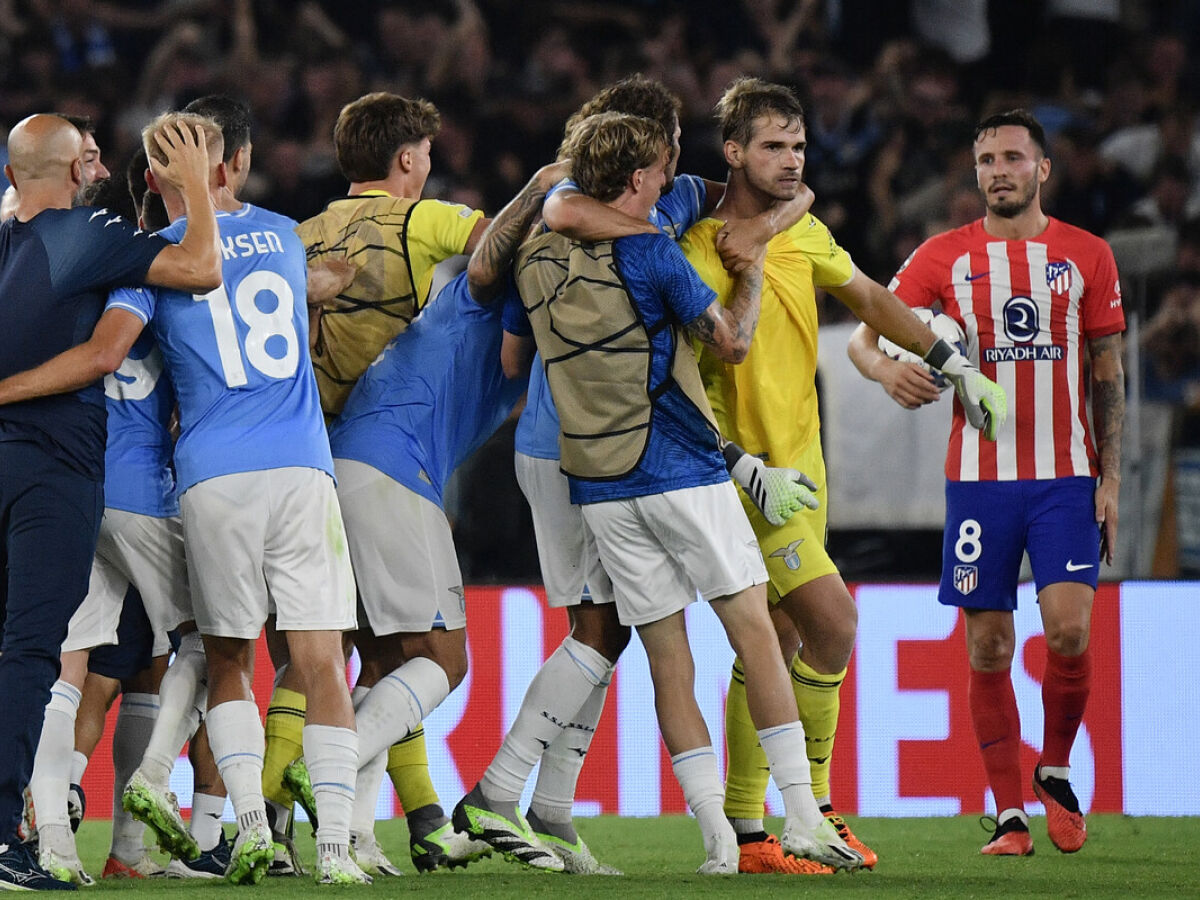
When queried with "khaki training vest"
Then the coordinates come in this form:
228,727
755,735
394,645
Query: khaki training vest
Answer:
597,351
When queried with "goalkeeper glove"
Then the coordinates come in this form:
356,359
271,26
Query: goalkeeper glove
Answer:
778,493
984,401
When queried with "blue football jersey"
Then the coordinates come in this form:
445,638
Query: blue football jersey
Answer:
138,477
238,356
434,394
674,214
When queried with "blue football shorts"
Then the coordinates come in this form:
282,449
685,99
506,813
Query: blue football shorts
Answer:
990,524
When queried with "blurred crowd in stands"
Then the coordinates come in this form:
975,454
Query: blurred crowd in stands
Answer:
892,89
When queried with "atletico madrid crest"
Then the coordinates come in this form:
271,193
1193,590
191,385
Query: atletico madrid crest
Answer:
1058,277
966,579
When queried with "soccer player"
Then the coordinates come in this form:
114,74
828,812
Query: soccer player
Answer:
645,464
260,516
768,405
394,239
1036,298
573,683
56,265
433,396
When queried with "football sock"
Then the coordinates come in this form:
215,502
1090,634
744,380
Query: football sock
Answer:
398,704
331,754
748,826
52,762
205,826
408,769
131,736
235,734
366,780
818,700
79,764
554,794
696,771
747,773
993,708
181,701
783,746
284,730
1065,689
556,693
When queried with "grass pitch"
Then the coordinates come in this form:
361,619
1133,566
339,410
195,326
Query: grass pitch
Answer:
919,858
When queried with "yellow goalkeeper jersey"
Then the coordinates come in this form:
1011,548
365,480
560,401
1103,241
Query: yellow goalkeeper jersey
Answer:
395,242
768,403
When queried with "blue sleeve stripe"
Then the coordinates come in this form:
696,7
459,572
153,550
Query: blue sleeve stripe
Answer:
132,309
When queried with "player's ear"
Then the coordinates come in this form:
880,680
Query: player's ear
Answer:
222,174
77,171
151,181
734,154
404,160
1043,169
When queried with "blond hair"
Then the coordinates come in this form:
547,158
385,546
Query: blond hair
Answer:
607,148
213,139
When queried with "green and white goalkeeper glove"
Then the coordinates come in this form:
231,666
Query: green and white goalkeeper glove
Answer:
778,493
985,402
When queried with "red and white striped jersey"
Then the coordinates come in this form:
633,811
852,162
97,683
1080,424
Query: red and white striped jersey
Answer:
1027,308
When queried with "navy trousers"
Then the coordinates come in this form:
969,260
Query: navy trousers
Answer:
50,518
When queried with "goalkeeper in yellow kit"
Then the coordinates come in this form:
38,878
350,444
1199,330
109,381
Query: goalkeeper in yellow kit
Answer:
768,405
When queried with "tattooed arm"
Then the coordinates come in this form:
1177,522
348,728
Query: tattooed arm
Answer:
1108,415
494,254
727,330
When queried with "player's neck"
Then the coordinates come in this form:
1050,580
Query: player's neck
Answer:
741,200
35,198
396,185
1029,224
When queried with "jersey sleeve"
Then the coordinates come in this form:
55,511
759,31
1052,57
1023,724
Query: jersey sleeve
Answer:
682,289
916,281
680,209
440,229
138,300
96,248
831,265
1103,312
513,317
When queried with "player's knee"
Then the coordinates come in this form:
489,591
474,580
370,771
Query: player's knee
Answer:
1068,640
990,653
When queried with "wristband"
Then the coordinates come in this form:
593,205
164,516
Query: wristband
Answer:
939,354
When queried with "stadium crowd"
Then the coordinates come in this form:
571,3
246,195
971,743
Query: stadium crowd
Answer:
890,116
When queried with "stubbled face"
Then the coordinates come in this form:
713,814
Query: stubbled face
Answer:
1010,170
773,161
93,168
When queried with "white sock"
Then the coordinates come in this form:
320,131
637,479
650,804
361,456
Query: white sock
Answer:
747,826
1063,772
398,703
205,826
332,757
368,780
131,735
235,733
1012,813
181,701
52,762
790,769
557,692
554,794
696,771
79,763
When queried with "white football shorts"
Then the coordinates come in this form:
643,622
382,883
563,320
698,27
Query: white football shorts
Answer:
403,553
571,569
143,550
274,533
661,549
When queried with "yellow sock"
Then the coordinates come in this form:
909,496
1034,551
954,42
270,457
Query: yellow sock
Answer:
747,772
408,767
818,698
285,742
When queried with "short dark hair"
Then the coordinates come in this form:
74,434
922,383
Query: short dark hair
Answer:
747,99
232,116
373,128
135,176
83,124
635,95
1021,118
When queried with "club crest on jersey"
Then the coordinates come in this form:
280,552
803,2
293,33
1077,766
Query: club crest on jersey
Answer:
1058,277
790,557
966,579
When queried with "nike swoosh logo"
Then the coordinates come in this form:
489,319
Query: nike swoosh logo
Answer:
1072,567
976,277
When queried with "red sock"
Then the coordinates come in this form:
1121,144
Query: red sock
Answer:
998,729
1065,689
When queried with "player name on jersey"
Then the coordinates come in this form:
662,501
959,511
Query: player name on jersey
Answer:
250,243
